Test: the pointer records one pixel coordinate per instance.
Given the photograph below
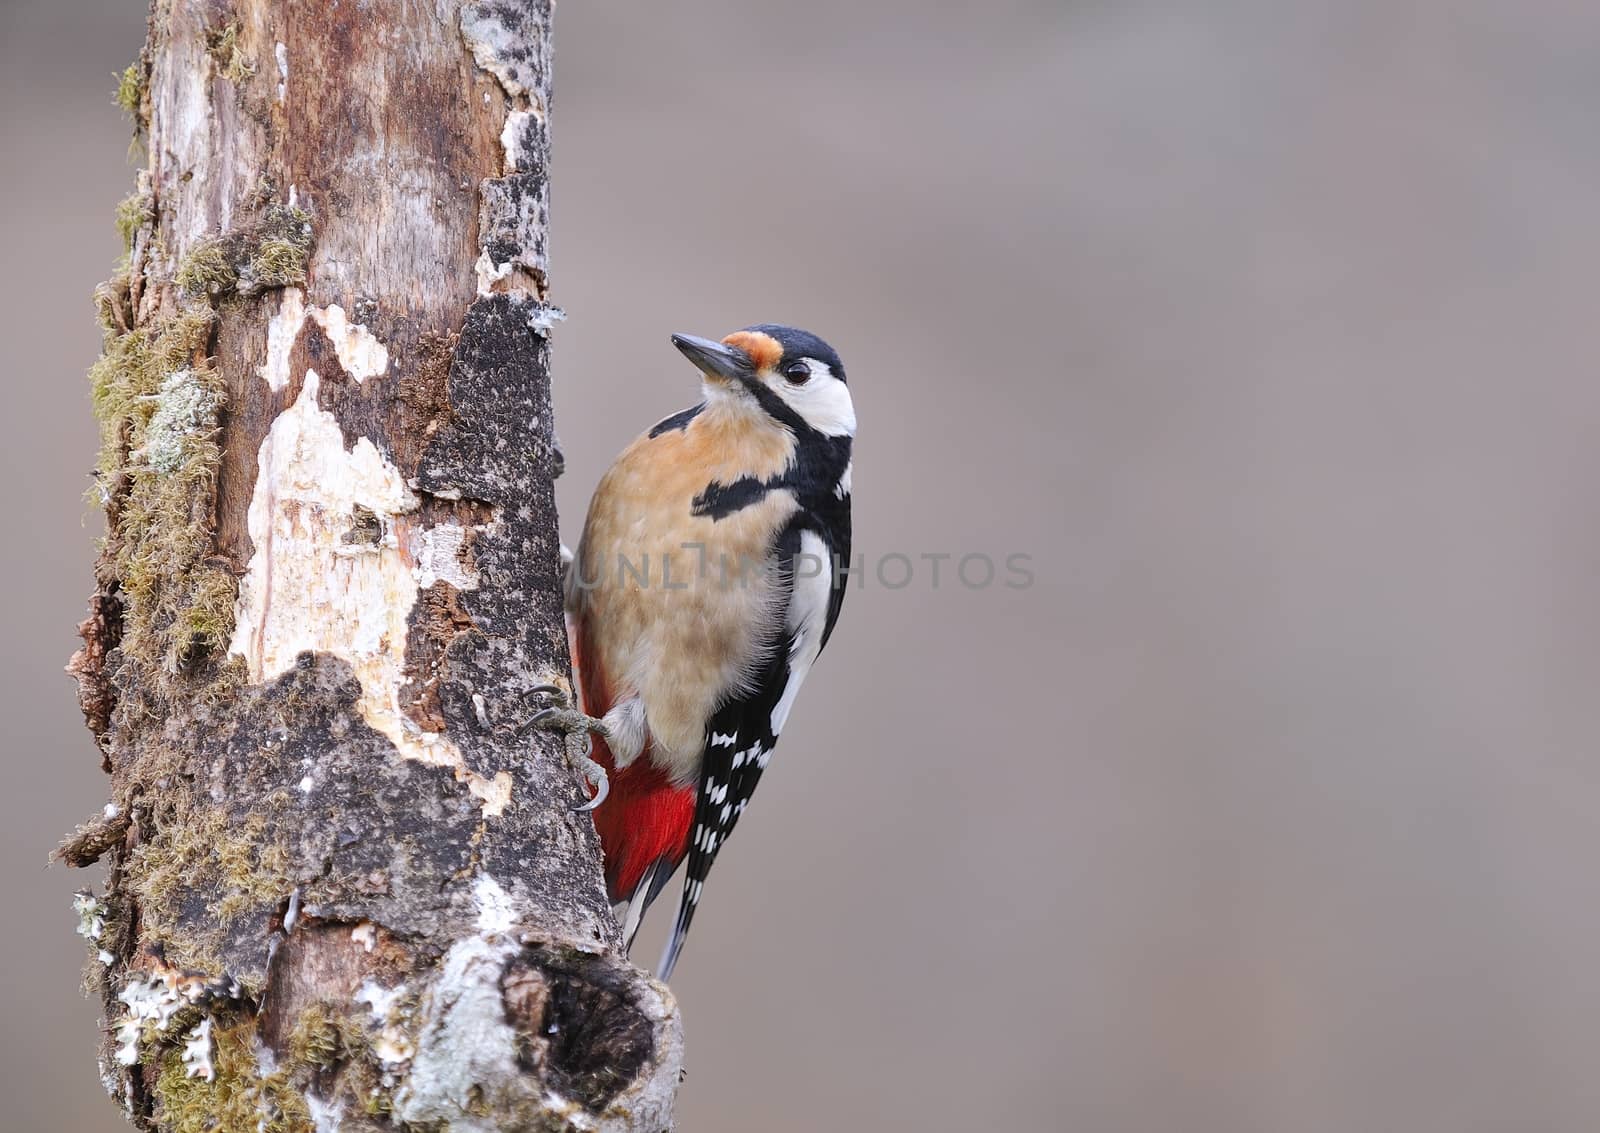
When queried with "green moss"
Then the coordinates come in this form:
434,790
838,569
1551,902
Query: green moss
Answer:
222,44
207,270
124,381
279,247
316,1041
130,90
271,253
324,1037
237,865
133,213
238,1097
281,263
158,401
204,623
113,304
376,1102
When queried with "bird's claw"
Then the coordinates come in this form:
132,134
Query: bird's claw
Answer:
576,728
595,776
554,693
568,721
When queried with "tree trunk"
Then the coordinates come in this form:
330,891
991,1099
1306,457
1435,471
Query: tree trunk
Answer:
346,890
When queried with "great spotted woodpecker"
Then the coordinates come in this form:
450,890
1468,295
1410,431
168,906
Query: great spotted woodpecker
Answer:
702,591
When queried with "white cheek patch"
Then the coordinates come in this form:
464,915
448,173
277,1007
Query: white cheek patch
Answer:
823,402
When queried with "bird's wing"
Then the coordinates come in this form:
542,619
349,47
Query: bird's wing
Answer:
834,521
742,734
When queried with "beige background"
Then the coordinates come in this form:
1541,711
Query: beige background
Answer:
1267,328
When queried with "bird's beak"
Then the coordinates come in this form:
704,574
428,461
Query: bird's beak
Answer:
715,359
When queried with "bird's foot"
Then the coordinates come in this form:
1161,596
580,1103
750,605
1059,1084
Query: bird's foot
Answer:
575,728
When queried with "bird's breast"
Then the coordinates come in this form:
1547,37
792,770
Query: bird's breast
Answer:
679,602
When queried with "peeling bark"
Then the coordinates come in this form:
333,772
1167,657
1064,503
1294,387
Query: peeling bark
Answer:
346,890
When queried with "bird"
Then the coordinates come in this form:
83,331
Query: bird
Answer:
709,577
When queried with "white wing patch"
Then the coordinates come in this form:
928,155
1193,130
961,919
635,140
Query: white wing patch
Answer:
808,614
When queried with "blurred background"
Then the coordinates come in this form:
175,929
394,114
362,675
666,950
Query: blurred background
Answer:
1268,328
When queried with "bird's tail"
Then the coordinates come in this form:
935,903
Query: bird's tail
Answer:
630,913
680,930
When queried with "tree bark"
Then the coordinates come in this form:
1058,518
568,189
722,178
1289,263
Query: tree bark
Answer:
346,890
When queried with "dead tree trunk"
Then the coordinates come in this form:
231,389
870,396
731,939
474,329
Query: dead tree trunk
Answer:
345,891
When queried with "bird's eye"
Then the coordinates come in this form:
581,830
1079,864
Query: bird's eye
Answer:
797,374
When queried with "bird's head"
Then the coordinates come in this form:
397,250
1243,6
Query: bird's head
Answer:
790,375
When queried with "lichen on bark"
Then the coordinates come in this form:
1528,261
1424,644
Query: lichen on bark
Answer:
158,401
